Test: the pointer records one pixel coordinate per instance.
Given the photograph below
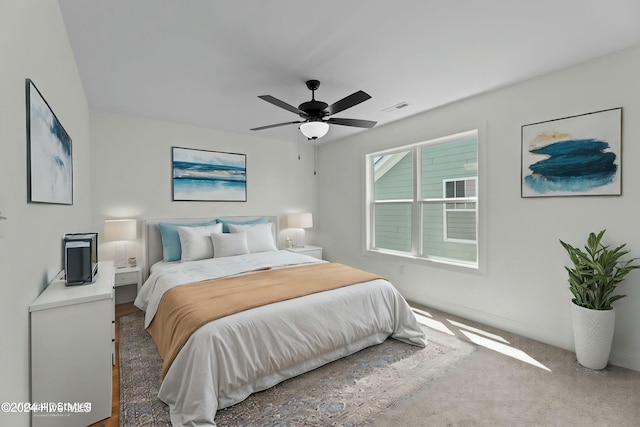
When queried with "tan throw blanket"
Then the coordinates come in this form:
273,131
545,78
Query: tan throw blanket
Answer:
184,309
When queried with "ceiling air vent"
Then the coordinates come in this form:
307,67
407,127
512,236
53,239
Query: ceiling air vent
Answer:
398,106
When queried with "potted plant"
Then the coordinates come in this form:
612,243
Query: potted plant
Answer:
596,272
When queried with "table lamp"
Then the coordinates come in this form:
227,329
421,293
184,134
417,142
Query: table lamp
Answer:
300,221
119,231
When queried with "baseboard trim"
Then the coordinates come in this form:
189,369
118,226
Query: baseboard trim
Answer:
624,359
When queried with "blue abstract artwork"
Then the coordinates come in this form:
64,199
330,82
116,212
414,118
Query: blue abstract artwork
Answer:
201,175
573,156
49,154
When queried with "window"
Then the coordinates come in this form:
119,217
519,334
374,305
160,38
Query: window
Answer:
422,200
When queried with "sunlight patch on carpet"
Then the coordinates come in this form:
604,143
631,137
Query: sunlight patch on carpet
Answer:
478,331
426,319
507,350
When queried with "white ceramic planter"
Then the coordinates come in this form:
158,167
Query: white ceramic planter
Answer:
592,335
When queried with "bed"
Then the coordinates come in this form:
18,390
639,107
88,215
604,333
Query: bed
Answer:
231,353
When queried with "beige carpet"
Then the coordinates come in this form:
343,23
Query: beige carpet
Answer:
488,388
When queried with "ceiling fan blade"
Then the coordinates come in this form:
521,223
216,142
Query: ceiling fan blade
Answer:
276,125
352,122
348,102
275,101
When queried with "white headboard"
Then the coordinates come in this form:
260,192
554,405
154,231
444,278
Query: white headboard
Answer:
153,242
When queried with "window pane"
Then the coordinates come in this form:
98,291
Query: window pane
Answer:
471,188
393,176
455,161
450,189
461,225
393,226
434,241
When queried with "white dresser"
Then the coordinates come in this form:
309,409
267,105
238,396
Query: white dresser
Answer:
73,350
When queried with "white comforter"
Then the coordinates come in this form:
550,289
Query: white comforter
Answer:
226,360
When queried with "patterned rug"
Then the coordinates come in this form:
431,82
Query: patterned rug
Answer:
346,393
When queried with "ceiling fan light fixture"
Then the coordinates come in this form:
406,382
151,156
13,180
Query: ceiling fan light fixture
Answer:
314,130
313,113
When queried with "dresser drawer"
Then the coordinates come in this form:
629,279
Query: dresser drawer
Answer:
126,278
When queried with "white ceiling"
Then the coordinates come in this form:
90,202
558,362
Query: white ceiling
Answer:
204,62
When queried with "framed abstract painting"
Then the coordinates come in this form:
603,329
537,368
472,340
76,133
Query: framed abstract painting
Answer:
49,154
573,156
213,176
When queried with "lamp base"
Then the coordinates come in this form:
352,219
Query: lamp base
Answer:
121,255
300,235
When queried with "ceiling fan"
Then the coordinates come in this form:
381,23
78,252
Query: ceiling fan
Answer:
315,114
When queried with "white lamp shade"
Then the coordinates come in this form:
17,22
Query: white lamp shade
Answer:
300,220
120,229
314,130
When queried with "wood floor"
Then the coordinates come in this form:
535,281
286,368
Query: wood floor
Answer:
114,421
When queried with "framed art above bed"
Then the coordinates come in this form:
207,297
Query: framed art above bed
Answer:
212,176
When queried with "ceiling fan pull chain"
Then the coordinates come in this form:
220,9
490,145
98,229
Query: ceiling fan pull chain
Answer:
315,156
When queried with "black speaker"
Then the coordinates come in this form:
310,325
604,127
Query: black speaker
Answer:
80,258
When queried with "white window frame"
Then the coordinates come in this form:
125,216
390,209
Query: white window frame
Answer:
370,236
417,203
458,200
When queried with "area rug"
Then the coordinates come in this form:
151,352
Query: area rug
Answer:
344,393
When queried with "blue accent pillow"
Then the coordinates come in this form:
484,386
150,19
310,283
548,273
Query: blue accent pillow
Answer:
226,222
171,248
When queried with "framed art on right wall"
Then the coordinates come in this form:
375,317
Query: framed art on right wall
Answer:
573,156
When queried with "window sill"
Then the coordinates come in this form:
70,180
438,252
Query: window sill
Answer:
435,262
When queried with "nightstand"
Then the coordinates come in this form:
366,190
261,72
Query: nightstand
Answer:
314,251
125,278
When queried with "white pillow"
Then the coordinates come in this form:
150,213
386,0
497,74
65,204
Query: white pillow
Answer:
196,243
259,236
227,244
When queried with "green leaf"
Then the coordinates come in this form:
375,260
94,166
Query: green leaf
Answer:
596,271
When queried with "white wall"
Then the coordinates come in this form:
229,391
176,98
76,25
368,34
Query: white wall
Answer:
131,174
523,286
33,44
